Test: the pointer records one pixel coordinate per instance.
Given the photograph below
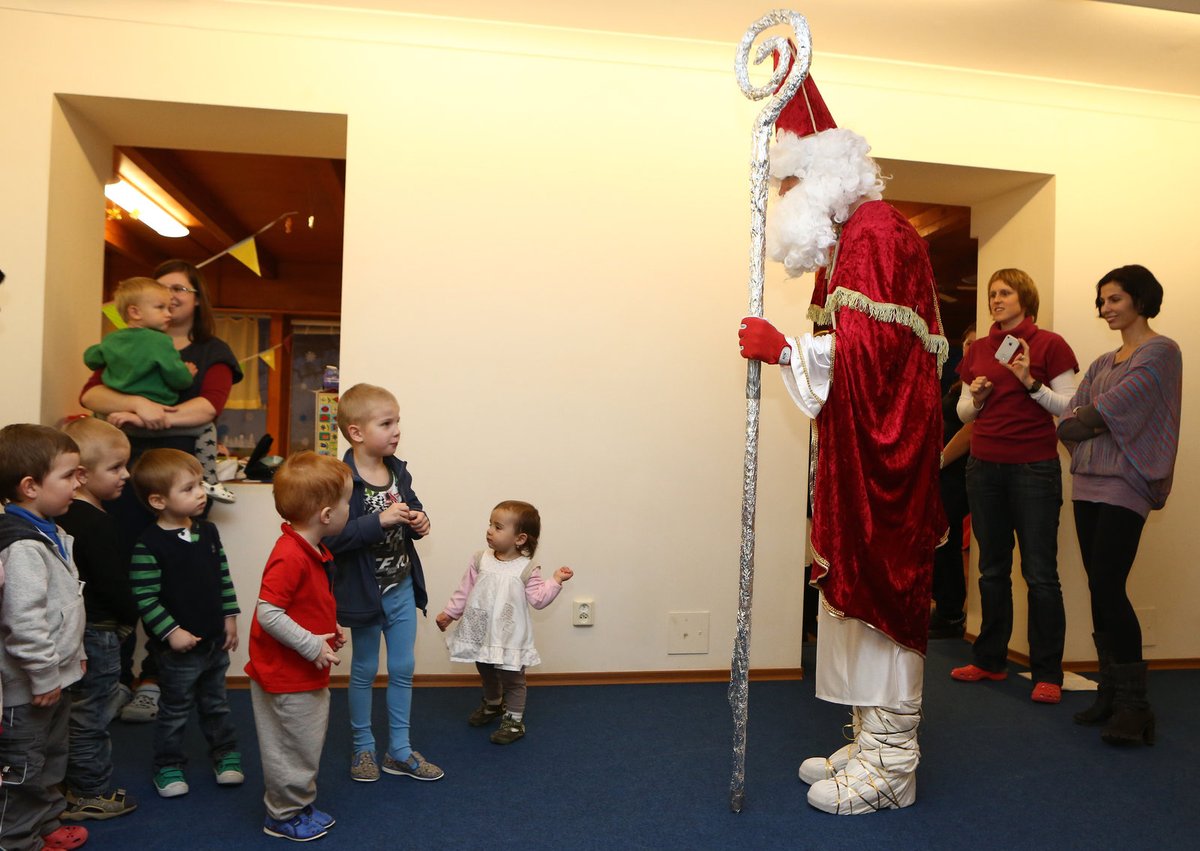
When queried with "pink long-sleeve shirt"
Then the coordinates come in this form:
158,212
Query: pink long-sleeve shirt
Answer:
538,591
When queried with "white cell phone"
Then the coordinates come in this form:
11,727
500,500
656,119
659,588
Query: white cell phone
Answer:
1008,347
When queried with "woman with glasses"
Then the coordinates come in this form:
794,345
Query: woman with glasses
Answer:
188,425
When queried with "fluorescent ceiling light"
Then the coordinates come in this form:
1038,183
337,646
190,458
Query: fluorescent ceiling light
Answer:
131,200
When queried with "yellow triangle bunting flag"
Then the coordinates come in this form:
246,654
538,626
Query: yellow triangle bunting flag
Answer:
247,252
110,312
268,357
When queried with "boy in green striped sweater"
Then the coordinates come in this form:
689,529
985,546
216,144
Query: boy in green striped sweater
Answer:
180,580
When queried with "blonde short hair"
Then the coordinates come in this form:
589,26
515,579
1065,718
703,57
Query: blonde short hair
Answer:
1023,286
94,437
356,405
132,290
307,482
157,469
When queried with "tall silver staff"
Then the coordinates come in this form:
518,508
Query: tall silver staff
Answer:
800,51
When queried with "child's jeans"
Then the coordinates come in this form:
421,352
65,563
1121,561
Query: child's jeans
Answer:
89,768
33,755
399,630
195,678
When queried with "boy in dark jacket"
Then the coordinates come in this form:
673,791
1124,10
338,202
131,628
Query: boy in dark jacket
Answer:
379,584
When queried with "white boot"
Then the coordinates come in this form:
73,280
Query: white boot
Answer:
822,768
882,775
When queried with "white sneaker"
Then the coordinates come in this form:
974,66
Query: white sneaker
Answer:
219,493
144,706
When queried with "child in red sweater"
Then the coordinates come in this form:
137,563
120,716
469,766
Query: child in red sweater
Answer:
294,639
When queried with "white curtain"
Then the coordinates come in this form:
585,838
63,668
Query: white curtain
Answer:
241,333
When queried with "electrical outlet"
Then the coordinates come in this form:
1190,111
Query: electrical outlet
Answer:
584,613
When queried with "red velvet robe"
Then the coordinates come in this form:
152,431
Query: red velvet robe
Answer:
877,511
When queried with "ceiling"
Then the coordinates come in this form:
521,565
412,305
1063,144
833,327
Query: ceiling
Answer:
1089,41
228,197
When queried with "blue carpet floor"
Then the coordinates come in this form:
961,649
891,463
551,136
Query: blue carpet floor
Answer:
647,766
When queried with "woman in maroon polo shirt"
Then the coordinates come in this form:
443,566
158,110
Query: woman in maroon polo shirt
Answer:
1014,480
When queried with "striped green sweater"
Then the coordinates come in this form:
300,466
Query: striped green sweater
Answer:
180,578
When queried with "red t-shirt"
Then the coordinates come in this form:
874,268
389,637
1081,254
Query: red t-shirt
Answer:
1012,428
299,581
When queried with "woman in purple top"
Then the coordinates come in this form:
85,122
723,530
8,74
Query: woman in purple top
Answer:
1122,432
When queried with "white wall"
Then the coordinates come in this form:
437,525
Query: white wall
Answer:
546,235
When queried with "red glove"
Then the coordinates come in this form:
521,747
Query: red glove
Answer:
760,341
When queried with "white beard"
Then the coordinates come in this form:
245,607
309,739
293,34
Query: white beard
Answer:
836,174
800,232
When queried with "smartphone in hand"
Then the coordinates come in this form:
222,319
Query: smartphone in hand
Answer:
1008,347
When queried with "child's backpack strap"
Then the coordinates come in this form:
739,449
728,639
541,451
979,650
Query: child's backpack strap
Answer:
528,571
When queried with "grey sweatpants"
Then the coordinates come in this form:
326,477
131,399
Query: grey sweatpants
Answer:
291,735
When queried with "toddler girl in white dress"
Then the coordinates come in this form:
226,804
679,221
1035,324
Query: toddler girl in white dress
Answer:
496,632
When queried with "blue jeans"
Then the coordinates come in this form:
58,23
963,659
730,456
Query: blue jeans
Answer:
399,631
89,767
195,678
1024,499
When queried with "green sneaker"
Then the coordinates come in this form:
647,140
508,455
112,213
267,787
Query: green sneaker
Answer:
510,730
228,769
485,713
170,782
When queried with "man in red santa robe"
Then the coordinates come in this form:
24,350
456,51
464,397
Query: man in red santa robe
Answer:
869,380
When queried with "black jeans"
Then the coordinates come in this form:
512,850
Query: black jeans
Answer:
1020,499
1108,541
195,678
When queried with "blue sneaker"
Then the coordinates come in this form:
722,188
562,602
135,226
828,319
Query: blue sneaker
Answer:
299,828
321,817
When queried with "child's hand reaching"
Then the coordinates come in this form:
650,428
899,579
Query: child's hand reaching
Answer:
326,656
181,641
563,574
443,621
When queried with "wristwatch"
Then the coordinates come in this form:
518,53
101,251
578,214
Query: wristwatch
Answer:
1034,387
